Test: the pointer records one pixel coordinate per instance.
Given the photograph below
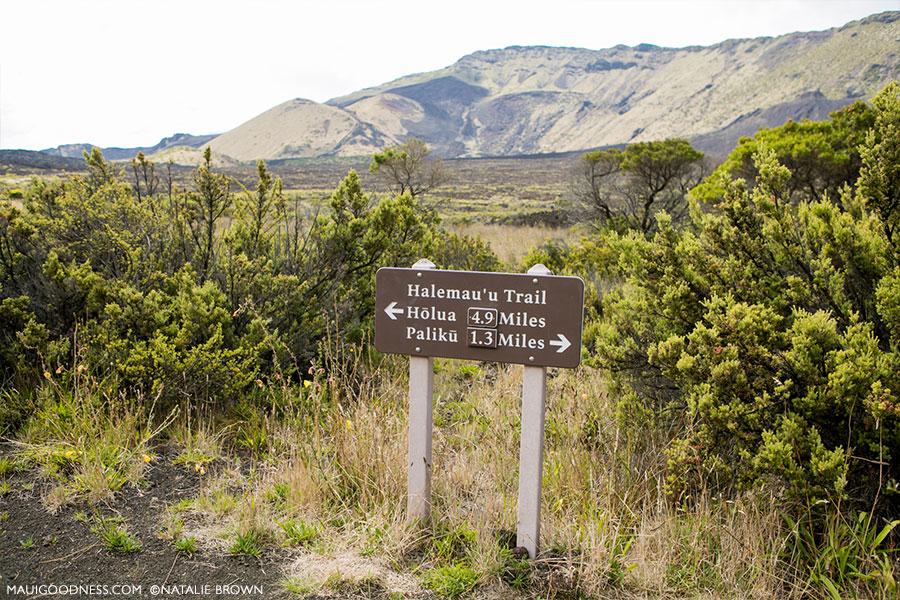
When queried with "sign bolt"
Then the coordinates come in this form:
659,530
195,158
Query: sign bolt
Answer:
530,359
418,349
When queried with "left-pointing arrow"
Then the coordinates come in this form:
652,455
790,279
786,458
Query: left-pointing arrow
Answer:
391,311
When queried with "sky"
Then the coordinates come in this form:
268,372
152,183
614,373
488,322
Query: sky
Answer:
125,73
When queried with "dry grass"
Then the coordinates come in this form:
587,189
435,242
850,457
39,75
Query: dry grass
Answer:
512,243
607,529
330,483
88,441
200,440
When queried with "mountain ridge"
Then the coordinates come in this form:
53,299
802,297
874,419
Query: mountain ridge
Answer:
539,99
524,100
115,153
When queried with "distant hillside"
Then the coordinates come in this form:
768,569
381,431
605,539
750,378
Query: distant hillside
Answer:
533,100
538,100
29,161
299,129
176,141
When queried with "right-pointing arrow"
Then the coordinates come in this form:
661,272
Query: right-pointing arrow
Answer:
563,343
391,311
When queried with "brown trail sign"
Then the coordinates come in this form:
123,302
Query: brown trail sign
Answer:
499,317
534,319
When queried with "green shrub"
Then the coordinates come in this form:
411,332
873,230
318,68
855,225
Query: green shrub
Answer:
463,253
162,293
771,324
822,156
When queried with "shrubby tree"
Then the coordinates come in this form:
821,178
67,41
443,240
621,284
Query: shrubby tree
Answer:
624,189
463,253
258,213
206,206
408,168
880,172
100,171
357,237
822,156
659,175
146,180
593,187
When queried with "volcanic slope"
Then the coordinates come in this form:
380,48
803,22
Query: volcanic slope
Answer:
536,100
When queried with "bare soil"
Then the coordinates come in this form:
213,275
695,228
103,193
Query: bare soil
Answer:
42,554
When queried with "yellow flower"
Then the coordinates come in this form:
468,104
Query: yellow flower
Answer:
306,383
259,383
349,424
70,454
147,458
47,375
202,470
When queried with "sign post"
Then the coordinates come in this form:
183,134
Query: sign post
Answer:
531,450
533,319
421,407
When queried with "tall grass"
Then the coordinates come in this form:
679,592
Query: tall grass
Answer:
86,436
607,527
328,479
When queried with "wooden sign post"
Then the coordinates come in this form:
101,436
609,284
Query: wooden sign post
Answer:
421,407
533,319
531,449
